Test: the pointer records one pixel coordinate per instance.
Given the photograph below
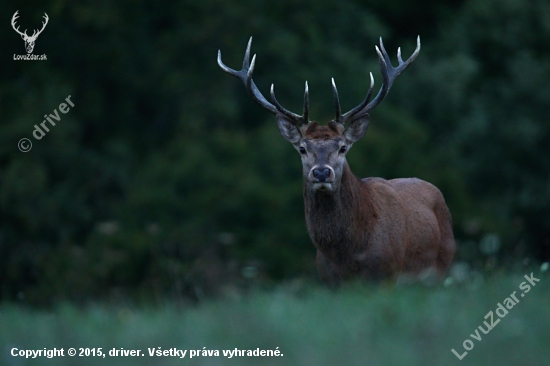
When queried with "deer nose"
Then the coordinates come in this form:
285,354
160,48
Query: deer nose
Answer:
321,175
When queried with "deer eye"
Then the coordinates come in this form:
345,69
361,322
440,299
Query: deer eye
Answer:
302,150
343,149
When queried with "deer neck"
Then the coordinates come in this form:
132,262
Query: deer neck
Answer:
332,217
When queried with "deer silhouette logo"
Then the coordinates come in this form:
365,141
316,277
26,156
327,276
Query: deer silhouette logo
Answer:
29,40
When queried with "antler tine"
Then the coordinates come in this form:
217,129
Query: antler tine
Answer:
250,68
305,115
245,76
389,74
246,60
337,109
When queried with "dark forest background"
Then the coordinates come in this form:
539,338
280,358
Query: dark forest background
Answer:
166,181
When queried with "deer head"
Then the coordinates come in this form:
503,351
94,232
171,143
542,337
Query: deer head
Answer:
29,40
323,149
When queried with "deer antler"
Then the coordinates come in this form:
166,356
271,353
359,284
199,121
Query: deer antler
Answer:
24,34
245,76
15,16
43,26
389,74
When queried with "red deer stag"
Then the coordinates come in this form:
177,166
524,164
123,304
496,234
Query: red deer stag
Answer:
370,228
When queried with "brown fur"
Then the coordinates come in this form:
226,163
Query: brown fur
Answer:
378,229
314,131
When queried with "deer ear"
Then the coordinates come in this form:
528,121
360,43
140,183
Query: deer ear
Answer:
357,128
290,132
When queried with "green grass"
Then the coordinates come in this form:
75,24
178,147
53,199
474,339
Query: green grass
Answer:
355,325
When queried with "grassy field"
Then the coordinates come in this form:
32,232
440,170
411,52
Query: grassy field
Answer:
308,325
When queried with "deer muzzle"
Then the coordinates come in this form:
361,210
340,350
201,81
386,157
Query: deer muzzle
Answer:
322,177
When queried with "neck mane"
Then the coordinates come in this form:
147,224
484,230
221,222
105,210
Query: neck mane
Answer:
333,217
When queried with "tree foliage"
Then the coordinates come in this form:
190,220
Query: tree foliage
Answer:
166,180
